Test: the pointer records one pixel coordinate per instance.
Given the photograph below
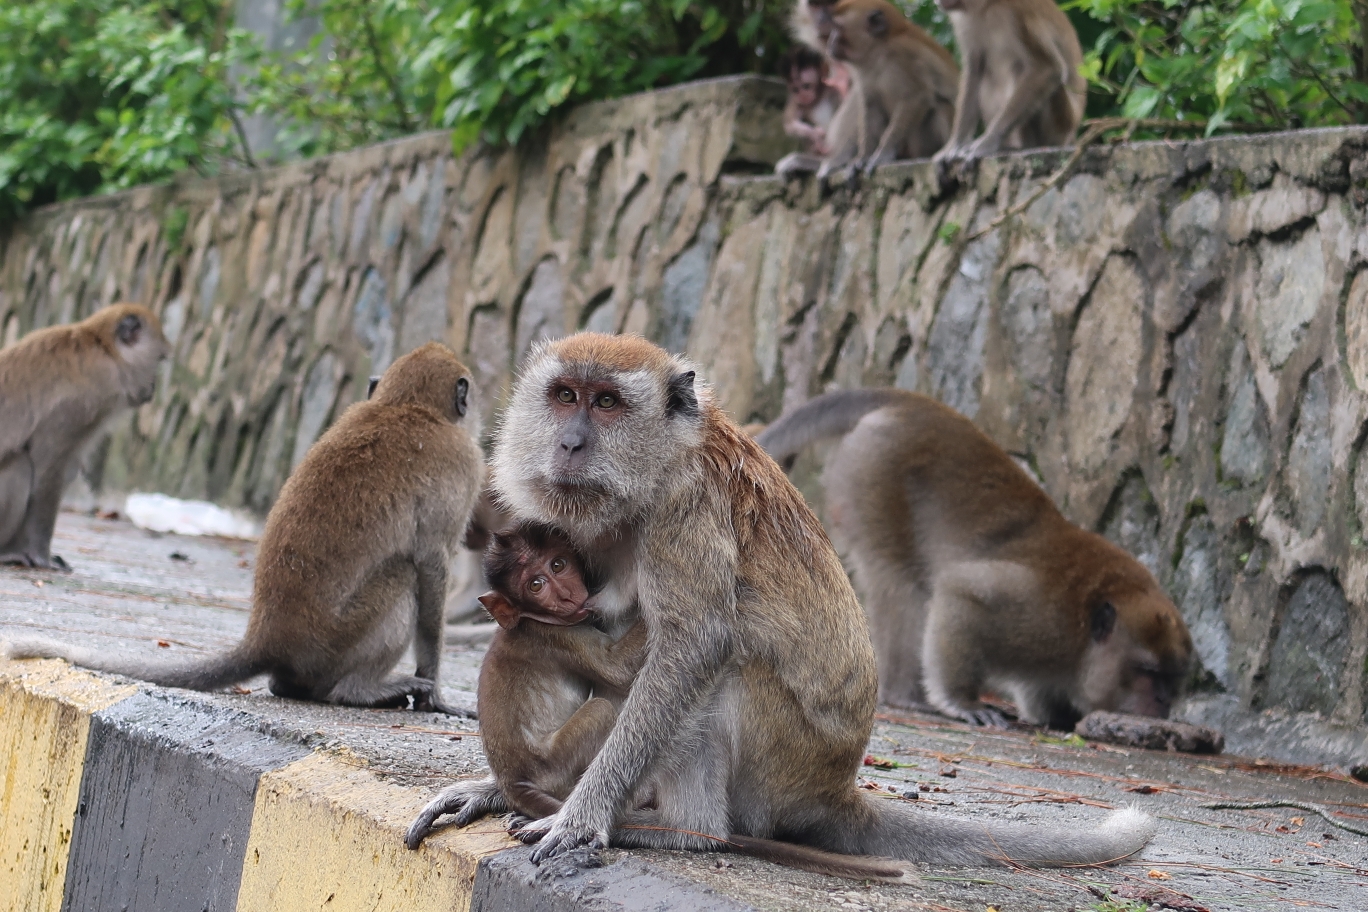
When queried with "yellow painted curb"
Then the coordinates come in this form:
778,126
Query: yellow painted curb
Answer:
328,835
45,709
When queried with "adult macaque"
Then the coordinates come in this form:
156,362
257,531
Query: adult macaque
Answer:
354,557
549,695
1020,77
972,578
58,386
811,102
754,705
907,82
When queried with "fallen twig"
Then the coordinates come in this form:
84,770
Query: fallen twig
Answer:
1308,806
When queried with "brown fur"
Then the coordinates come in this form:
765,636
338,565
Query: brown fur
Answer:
753,708
907,83
355,552
58,386
1020,77
973,578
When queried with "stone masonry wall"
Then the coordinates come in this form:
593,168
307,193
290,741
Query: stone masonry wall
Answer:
1175,340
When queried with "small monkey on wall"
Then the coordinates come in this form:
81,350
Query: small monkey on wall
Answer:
58,386
811,101
1019,76
353,562
973,579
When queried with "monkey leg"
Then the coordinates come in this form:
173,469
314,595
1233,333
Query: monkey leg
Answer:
30,543
16,482
954,657
469,801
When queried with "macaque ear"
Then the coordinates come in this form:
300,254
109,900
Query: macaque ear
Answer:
501,610
129,330
682,399
1103,621
370,387
878,24
462,396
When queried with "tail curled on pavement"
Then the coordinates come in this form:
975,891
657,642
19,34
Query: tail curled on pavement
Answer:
206,673
832,414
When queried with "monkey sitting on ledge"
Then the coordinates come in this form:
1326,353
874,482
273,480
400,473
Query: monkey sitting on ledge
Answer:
972,577
550,689
755,700
354,557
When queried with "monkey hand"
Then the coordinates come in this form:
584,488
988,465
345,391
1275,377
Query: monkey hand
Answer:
429,699
469,801
982,716
558,834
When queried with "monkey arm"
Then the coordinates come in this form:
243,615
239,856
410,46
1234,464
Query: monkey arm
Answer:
430,629
688,599
966,106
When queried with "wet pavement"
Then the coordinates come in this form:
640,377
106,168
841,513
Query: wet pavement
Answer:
142,592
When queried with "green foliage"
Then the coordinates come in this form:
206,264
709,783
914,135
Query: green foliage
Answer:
493,70
1274,64
101,94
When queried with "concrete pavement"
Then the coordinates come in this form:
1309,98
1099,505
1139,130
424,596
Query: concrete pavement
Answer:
119,795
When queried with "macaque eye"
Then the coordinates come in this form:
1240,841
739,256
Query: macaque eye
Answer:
566,395
557,564
538,583
606,400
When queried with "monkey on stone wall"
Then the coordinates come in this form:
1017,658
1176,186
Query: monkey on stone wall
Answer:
1020,76
754,704
58,386
352,566
973,579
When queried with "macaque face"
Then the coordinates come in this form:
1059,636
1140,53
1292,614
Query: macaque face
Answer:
806,87
854,32
583,411
1136,671
552,585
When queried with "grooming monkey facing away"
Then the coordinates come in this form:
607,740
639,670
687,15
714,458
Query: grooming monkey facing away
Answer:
550,690
58,386
973,579
754,704
353,561
1020,76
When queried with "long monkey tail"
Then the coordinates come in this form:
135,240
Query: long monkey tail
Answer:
819,861
206,673
832,414
899,831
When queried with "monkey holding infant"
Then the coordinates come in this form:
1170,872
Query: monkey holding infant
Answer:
754,702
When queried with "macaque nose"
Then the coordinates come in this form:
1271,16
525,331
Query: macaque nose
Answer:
572,442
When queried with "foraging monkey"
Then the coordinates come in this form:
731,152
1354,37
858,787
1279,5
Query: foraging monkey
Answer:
353,561
753,708
811,102
549,695
973,578
57,387
1021,77
907,83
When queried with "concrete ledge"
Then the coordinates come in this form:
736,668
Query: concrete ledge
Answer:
117,798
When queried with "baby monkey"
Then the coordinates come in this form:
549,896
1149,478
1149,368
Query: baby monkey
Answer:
550,690
812,100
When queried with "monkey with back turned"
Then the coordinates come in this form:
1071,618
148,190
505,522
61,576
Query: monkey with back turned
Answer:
353,562
754,704
58,386
973,579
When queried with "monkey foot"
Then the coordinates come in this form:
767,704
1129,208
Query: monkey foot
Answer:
36,561
433,703
556,837
984,716
469,801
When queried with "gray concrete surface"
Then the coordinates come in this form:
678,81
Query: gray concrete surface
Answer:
128,593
